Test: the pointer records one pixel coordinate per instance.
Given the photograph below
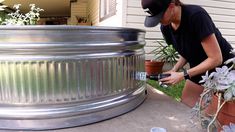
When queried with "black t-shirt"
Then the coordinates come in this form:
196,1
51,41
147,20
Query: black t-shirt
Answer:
196,24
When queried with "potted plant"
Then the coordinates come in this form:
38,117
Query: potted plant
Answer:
162,53
16,18
217,103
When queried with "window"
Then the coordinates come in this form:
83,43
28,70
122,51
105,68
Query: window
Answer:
107,9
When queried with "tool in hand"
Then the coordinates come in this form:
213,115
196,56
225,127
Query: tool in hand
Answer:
143,77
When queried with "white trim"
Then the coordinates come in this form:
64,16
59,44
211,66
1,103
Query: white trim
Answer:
124,13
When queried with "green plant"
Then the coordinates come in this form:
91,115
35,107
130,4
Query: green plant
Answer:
174,91
220,83
2,15
164,52
17,18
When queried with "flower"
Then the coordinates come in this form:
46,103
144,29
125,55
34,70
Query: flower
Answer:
221,82
30,18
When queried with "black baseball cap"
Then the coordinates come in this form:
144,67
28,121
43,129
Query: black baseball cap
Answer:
155,10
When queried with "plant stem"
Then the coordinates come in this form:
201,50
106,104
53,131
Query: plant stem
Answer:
200,102
217,112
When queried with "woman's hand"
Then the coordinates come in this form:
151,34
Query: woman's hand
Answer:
175,78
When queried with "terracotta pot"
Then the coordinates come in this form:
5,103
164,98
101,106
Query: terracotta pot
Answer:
153,67
212,107
227,112
191,93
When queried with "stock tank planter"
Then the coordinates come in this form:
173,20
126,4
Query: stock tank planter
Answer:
63,76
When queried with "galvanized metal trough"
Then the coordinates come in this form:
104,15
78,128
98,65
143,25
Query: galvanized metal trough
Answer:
63,76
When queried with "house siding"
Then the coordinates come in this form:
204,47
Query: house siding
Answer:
93,11
78,8
221,11
130,14
116,20
135,19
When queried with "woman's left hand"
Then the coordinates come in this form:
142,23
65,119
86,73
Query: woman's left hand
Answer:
175,78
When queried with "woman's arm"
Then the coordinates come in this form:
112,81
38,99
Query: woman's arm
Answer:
212,49
180,63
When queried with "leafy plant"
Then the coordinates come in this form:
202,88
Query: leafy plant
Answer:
165,52
220,83
17,18
1,9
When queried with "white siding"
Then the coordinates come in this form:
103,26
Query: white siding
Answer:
116,20
93,11
130,14
221,11
78,8
135,19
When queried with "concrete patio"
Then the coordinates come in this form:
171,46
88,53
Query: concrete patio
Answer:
158,110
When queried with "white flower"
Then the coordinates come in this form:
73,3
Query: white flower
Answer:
16,18
17,6
32,6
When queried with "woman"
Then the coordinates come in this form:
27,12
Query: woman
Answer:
193,34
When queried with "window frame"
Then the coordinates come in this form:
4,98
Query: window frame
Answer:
106,10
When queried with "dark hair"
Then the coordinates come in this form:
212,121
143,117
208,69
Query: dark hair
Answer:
177,2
